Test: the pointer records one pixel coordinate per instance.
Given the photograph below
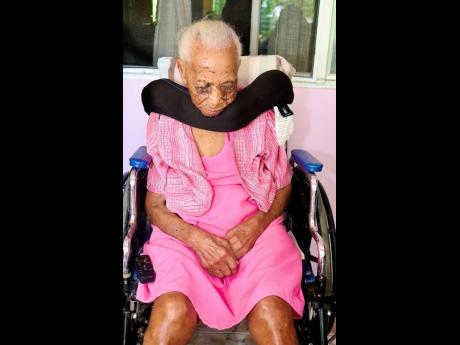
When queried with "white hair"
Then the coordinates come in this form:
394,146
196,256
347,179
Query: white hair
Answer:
212,34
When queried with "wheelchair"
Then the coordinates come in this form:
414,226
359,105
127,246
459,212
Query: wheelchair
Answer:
308,216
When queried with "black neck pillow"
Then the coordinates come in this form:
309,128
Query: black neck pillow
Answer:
270,89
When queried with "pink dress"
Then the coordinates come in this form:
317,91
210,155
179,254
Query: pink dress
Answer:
272,267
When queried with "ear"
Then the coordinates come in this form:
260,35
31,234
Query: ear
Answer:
181,65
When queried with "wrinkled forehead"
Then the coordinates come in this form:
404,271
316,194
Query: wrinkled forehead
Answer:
209,62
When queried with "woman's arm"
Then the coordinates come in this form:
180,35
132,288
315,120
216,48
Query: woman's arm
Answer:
243,236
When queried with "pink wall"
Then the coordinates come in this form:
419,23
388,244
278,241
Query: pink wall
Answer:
134,118
315,131
315,127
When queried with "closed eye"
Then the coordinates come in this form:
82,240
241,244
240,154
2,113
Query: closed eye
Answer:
202,89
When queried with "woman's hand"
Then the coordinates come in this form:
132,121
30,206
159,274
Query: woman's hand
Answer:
215,253
243,237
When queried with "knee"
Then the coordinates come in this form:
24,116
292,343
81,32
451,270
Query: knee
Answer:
271,313
173,320
176,307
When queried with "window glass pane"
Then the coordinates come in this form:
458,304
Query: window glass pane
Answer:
287,28
150,27
332,71
237,13
138,32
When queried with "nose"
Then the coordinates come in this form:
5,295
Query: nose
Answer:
215,98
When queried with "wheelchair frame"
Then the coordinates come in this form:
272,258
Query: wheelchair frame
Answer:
313,213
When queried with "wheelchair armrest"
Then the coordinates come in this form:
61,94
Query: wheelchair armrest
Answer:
306,160
140,159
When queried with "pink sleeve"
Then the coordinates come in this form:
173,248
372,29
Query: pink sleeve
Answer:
156,178
276,159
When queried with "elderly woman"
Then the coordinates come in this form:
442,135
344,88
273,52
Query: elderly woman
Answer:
215,200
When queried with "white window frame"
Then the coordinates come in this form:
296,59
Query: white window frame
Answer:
323,41
331,76
320,78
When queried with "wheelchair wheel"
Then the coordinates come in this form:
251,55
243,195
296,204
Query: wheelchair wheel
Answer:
135,314
319,291
326,228
126,201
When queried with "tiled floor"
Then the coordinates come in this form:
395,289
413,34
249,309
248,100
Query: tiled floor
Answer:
238,335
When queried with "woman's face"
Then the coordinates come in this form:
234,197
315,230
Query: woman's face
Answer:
211,77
